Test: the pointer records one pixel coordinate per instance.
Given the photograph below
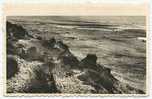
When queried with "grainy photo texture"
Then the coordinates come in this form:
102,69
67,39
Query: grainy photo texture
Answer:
76,54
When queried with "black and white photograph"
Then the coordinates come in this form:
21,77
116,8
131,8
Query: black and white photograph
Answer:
76,54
